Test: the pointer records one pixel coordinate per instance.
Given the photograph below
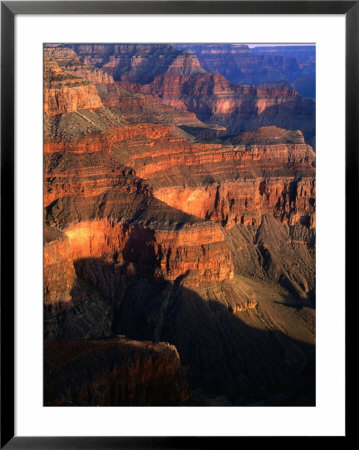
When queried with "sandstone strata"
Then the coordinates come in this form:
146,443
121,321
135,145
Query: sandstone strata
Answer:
241,64
177,77
59,272
154,232
236,107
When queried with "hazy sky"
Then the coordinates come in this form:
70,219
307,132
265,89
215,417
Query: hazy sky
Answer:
275,45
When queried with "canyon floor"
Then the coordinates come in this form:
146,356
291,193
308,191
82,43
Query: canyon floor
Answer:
179,227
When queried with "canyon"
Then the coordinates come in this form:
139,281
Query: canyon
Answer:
179,232
177,77
259,65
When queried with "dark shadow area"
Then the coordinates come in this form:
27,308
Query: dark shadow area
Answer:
112,372
222,355
298,114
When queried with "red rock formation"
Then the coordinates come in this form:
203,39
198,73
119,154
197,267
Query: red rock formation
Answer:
231,184
63,55
161,229
214,99
185,64
269,135
96,142
254,66
170,246
198,252
64,92
246,201
115,372
179,80
59,272
65,98
248,305
64,59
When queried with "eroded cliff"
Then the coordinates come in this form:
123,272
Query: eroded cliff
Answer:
113,372
154,231
177,77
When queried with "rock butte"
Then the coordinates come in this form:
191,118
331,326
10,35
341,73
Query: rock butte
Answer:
164,220
260,65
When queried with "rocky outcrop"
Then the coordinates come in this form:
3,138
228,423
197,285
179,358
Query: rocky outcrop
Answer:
60,58
244,202
275,251
270,136
72,309
91,74
197,252
153,233
59,272
68,84
185,64
65,93
132,62
213,99
63,55
104,141
232,183
113,372
177,77
69,97
241,64
106,211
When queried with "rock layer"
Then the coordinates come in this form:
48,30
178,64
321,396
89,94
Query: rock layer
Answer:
59,272
177,77
113,372
157,234
236,107
241,64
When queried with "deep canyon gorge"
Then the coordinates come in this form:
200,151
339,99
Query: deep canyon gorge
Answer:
179,225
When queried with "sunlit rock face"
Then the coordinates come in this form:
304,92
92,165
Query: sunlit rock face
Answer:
175,210
70,95
233,183
64,91
199,252
93,194
59,272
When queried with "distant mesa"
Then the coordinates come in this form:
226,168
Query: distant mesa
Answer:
179,206
185,64
270,135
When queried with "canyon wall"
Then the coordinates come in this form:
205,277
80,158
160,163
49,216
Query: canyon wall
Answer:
171,214
177,77
238,108
240,64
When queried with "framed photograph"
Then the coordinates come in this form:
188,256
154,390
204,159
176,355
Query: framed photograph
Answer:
175,182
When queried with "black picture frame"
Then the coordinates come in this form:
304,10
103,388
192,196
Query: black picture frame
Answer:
8,12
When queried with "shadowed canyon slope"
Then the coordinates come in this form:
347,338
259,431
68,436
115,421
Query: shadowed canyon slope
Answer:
113,372
178,208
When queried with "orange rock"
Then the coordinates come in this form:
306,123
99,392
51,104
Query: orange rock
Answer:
59,272
70,97
198,251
